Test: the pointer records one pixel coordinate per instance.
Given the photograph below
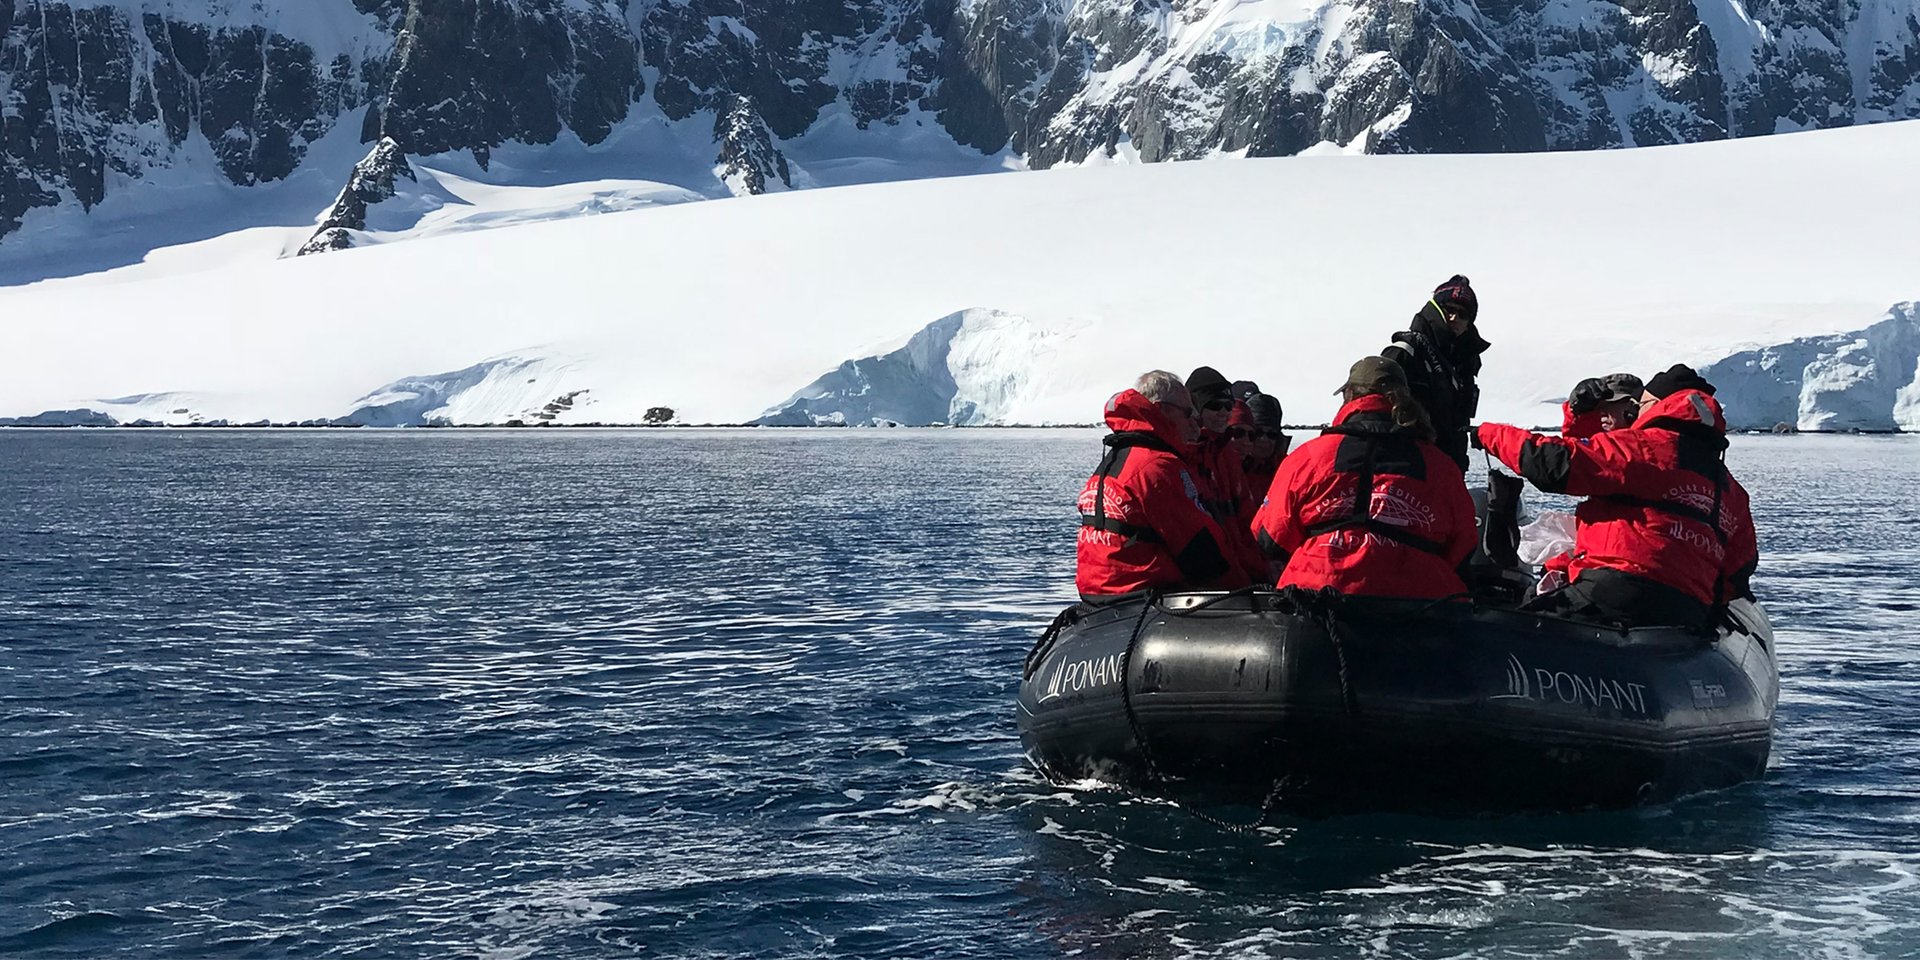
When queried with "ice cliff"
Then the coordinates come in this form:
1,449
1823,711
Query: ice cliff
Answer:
1865,380
970,368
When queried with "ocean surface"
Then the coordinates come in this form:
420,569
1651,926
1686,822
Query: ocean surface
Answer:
750,694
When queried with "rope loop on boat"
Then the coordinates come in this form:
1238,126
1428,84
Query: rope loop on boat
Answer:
1048,637
1320,606
1147,605
1281,785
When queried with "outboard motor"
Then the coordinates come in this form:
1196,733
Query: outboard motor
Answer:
1494,573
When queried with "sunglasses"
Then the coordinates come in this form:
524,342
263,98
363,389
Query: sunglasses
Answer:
1219,403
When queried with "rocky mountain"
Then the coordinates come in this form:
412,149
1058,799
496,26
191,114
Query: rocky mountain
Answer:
96,95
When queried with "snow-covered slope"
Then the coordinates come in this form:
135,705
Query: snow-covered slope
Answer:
1282,271
134,109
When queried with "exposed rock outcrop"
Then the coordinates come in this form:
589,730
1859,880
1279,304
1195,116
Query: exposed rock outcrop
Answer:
748,163
373,181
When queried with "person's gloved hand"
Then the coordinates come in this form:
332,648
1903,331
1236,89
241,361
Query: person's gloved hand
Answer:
1587,395
1473,438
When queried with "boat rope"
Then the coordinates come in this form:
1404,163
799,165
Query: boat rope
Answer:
1044,646
1147,605
1319,606
1275,793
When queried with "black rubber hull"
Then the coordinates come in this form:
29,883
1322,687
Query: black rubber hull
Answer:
1441,710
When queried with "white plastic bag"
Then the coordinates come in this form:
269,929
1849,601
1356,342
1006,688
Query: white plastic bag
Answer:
1550,534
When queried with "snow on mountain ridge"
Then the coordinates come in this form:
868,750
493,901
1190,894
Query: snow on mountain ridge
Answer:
115,96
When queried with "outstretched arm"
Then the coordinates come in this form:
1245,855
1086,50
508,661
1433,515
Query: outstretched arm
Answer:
1596,466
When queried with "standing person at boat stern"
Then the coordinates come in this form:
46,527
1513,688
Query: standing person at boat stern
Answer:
1665,536
1142,522
1440,353
1371,506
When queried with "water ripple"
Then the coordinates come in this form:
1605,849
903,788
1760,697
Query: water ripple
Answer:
749,694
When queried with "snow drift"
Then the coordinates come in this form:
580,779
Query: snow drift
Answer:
1281,271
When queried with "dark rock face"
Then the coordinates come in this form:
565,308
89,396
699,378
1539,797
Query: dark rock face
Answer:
94,93
471,74
748,162
373,180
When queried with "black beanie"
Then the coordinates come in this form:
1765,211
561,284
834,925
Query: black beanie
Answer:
1675,379
1265,411
1243,389
1457,296
1206,383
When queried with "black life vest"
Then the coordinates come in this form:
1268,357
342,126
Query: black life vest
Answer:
1118,445
1369,436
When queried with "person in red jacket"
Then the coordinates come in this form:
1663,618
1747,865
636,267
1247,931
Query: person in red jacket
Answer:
1665,537
1601,403
1255,431
1142,524
1371,506
1223,482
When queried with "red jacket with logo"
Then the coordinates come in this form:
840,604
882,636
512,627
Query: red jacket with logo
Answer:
1142,522
1407,538
1660,505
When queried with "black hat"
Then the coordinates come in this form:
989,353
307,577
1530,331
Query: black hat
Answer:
1206,383
1243,389
1264,410
1621,386
1457,296
1675,379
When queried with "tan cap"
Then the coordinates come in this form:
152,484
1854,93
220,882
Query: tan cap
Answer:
1373,374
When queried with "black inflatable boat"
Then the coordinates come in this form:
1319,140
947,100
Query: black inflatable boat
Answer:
1322,705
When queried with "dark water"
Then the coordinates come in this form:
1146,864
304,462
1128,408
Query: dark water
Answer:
750,694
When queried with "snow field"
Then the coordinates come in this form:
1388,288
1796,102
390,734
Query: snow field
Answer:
1281,271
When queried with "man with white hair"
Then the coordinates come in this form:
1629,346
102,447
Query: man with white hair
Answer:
1142,522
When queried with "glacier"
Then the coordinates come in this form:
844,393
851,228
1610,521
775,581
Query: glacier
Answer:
971,368
1867,379
1046,293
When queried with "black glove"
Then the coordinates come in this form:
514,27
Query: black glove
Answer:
1473,438
1587,395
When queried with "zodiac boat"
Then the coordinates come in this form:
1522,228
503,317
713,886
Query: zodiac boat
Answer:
1322,705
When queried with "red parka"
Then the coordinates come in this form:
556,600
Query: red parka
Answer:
1407,539
1661,504
1578,426
1259,475
1142,522
1232,501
